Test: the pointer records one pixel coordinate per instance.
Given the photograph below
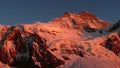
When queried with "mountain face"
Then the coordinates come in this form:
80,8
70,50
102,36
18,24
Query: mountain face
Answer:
68,41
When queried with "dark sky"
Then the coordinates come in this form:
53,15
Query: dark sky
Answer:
28,11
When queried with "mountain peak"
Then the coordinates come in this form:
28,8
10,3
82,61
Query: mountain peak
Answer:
77,20
55,43
87,14
83,13
68,13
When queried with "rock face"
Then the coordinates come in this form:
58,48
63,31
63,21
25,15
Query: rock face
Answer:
113,43
115,26
68,41
21,49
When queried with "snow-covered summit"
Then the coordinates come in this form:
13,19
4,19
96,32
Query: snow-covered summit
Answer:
71,19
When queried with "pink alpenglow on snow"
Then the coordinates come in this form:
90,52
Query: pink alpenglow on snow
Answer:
68,41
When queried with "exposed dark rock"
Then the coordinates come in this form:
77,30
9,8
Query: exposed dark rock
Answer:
27,51
113,44
65,58
88,28
101,31
115,26
108,44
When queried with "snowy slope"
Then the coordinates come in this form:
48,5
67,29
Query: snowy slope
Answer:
68,41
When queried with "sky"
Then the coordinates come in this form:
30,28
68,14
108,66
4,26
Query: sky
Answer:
28,11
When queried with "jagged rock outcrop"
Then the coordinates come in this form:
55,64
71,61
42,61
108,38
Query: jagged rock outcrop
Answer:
113,43
115,26
21,49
